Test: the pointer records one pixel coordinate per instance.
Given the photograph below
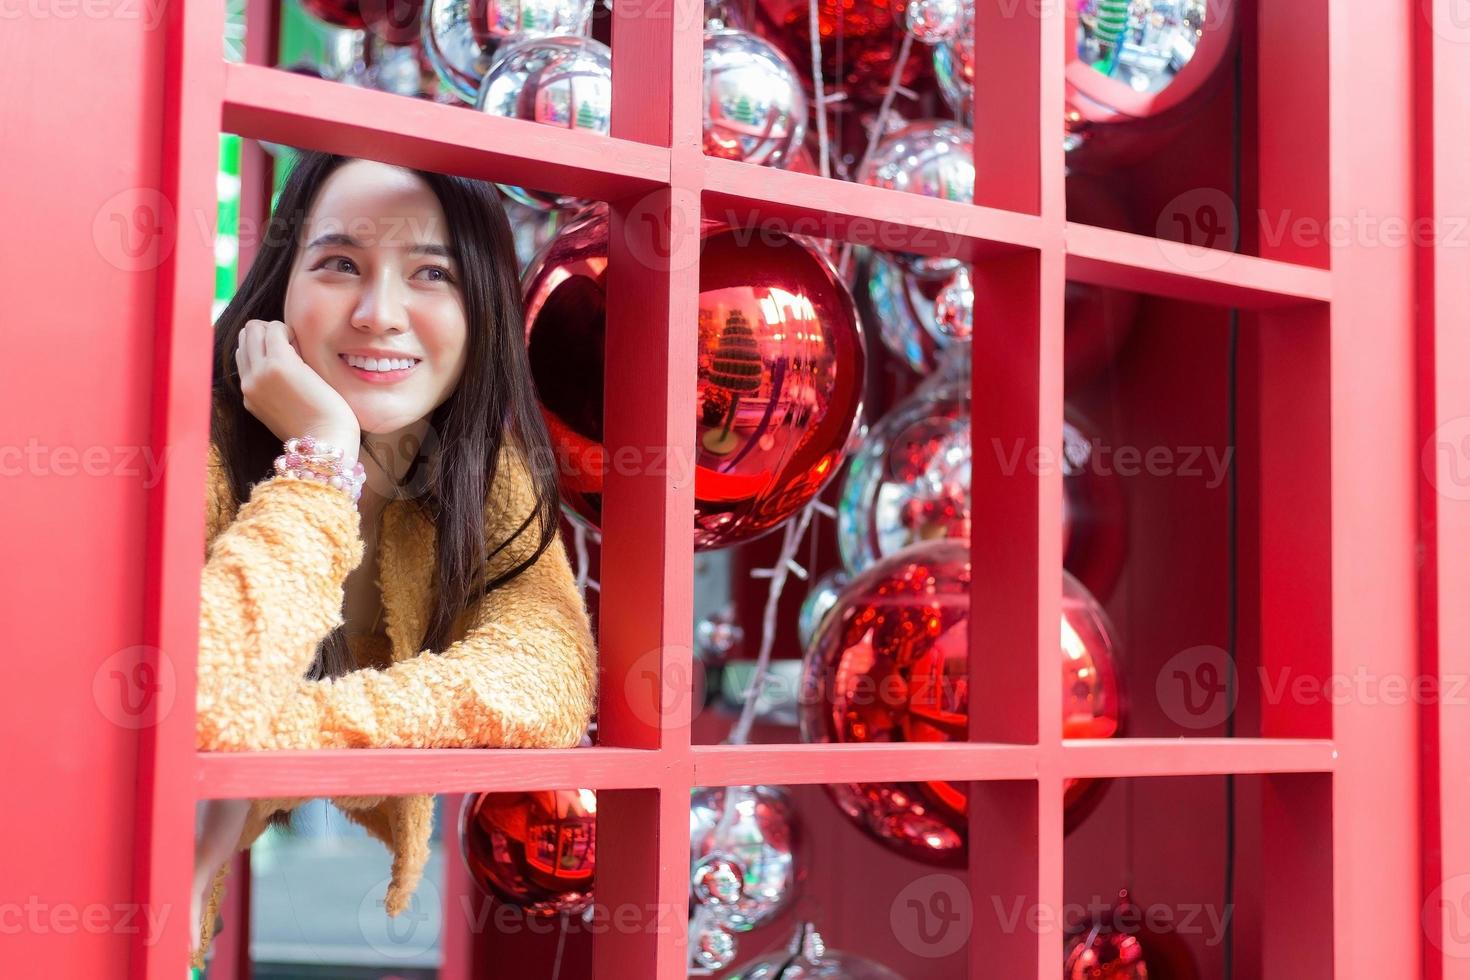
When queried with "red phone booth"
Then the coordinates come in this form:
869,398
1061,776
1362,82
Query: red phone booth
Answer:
1287,252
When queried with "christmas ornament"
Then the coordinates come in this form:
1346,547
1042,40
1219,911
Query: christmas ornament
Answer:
954,68
555,81
808,958
754,106
934,21
535,850
717,637
820,599
711,946
400,69
1119,945
954,307
338,13
743,842
858,43
1141,59
499,21
762,452
1105,955
452,49
394,21
890,664
932,157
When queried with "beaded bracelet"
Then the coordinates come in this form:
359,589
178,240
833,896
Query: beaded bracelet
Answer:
307,458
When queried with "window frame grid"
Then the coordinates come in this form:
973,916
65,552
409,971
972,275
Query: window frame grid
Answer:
1019,238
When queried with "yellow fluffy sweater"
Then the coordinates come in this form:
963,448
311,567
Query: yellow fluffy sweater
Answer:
520,673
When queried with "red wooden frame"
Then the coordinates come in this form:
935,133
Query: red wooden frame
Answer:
1336,584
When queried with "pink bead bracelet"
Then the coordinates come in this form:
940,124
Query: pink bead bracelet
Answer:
307,458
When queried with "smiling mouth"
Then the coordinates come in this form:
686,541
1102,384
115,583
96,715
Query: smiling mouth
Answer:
378,370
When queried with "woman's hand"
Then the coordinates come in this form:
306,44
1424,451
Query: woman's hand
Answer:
223,822
286,394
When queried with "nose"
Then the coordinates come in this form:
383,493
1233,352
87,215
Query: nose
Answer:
381,306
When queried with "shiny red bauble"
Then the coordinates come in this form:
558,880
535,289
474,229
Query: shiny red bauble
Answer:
859,42
338,13
780,373
536,850
889,663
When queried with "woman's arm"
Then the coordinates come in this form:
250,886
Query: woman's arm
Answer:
523,676
271,591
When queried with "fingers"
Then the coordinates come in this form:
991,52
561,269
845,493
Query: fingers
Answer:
277,339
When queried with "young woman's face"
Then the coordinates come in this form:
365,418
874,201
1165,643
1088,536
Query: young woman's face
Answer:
374,284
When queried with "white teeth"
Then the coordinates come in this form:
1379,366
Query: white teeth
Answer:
379,364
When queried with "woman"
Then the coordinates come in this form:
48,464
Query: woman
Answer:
394,576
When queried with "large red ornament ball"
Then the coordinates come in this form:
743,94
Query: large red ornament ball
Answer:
890,664
859,42
534,850
780,373
338,13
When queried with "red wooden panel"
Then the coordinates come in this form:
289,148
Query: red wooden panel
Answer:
193,72
1333,405
1442,176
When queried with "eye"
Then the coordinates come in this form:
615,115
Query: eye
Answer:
443,273
327,262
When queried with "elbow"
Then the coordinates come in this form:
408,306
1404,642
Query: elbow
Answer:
555,708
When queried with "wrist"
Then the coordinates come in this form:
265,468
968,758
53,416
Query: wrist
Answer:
309,457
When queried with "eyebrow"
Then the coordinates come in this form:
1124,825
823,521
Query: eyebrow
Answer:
337,238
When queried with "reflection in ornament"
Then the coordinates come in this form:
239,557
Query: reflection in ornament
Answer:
954,68
790,431
954,307
449,43
820,599
737,369
556,81
859,41
743,866
934,21
498,21
890,664
754,105
534,850
711,946
1144,44
932,157
1137,59
808,958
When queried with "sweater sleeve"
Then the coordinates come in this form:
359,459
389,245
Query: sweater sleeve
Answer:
271,591
523,675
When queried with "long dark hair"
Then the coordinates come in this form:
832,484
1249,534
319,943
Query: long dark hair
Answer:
451,473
